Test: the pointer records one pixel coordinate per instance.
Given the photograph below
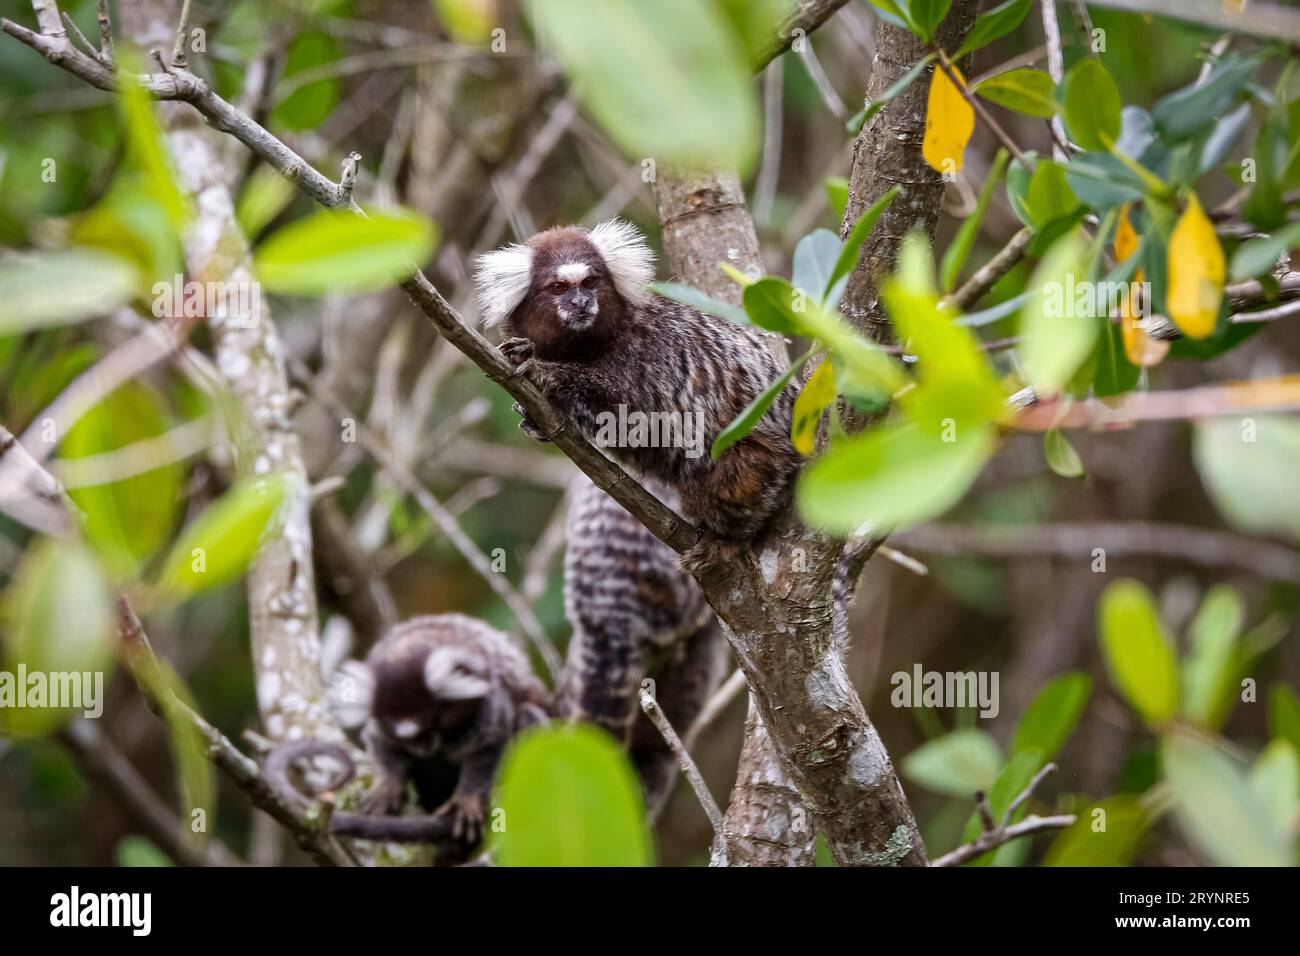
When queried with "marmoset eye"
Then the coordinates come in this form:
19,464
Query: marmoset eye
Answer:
558,287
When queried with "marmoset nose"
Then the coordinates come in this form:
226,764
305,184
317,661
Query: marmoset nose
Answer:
580,300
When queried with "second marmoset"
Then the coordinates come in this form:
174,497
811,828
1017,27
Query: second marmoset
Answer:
576,303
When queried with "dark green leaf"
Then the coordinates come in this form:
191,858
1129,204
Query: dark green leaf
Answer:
993,24
848,258
1052,715
744,423
959,250
1026,91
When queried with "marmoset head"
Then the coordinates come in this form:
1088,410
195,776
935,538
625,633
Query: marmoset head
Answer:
566,282
423,684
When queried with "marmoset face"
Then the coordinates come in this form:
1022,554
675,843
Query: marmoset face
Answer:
576,288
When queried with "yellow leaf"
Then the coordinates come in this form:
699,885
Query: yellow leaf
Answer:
1196,272
1142,350
1126,240
818,392
949,122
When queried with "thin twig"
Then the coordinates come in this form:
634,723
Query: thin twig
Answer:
689,770
996,834
182,27
987,275
721,699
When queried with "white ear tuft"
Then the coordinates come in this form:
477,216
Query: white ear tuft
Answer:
350,694
447,679
502,279
628,258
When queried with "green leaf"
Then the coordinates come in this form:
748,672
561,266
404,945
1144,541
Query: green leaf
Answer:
1218,810
1198,104
567,796
959,250
817,393
837,194
1210,666
1011,782
1054,339
1284,714
926,15
958,764
58,619
266,195
1026,91
993,24
1052,715
744,422
147,155
864,116
1060,454
814,262
667,79
775,305
59,288
219,544
1275,783
892,477
1107,833
1248,466
127,520
1092,105
690,296
1139,656
138,851
1257,257
308,105
848,257
1265,206
895,12
1049,196
340,252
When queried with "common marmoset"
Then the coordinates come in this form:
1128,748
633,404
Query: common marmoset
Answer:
604,348
439,698
635,614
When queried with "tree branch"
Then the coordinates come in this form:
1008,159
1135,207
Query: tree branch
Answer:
996,834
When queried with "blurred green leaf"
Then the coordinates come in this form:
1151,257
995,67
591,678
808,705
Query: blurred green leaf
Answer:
126,520
1053,714
1054,338
1209,669
1092,105
308,105
1257,257
1060,454
1139,657
1026,91
668,79
837,194
892,477
58,618
814,262
1218,810
339,252
958,764
1198,104
1275,783
1107,838
1284,714
59,288
219,544
1248,466
147,154
265,196
926,15
1011,782
567,796
777,306
138,851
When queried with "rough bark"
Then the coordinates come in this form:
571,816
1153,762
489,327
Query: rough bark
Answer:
888,153
705,221
281,584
